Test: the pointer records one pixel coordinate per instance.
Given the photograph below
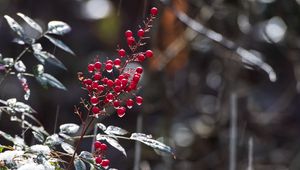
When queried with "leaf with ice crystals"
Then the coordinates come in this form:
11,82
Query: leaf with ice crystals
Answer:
114,130
31,22
113,142
41,149
6,136
101,126
69,128
79,164
58,27
53,140
8,62
43,56
45,79
147,139
20,66
59,44
16,27
68,148
87,156
38,136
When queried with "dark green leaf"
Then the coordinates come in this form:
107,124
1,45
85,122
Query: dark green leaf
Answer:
46,78
59,44
43,55
31,22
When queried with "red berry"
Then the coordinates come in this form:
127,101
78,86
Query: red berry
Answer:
121,111
139,70
94,100
98,65
154,11
95,84
109,97
141,57
109,61
128,33
117,89
139,100
97,144
124,82
103,147
117,62
129,103
132,86
105,162
96,110
117,82
100,88
136,78
98,160
122,52
109,67
121,76
91,68
116,103
149,53
110,83
130,41
141,33
97,76
87,81
104,80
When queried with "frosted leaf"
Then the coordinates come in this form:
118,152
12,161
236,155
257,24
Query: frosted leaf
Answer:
67,137
43,56
20,66
101,126
43,149
58,27
114,130
8,62
146,139
86,155
46,78
16,27
38,136
59,44
113,142
31,22
53,140
68,148
79,164
69,128
9,156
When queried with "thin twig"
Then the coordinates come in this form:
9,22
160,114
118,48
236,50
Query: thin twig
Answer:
233,132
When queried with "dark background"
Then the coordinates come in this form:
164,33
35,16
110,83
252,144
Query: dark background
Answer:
187,85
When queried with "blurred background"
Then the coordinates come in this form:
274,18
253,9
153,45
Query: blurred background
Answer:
216,107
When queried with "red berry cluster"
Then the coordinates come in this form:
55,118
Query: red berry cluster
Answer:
100,149
110,81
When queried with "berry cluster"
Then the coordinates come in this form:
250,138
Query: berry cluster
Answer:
100,149
111,80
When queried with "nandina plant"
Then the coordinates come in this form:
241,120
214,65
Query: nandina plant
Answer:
111,87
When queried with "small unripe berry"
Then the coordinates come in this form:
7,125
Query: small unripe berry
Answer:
149,53
103,147
96,110
141,33
117,63
94,100
97,144
105,162
129,103
97,76
121,111
109,67
130,41
122,53
98,160
91,68
139,100
141,57
128,33
139,70
154,11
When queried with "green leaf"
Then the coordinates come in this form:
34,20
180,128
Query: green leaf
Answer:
46,79
43,56
31,22
59,44
79,164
